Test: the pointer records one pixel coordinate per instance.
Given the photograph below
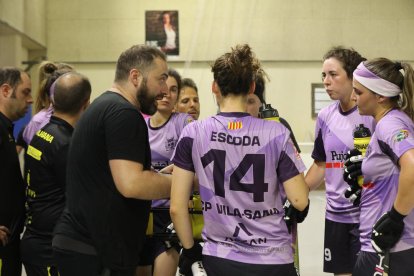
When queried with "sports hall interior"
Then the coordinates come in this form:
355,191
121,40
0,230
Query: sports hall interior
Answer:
289,38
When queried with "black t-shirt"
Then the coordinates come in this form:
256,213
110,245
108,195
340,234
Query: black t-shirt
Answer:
96,213
12,188
45,175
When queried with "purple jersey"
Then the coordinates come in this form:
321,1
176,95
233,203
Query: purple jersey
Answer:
38,121
241,163
333,139
393,136
163,140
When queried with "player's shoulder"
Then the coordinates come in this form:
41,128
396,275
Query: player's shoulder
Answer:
395,120
182,117
328,111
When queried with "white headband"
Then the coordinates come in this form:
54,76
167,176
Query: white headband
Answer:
375,83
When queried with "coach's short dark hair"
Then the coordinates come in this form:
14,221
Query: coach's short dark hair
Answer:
139,57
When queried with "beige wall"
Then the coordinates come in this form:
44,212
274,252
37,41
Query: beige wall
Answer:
97,30
22,31
290,38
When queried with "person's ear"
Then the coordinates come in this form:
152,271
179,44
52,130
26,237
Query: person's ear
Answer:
215,88
5,90
252,87
135,76
86,105
380,99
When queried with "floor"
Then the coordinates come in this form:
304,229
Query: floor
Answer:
311,233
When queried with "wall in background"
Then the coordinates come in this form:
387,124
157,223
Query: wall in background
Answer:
290,37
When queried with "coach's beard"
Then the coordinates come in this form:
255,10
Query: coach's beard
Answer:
147,103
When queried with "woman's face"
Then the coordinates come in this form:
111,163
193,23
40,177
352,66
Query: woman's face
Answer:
336,82
253,105
166,18
166,104
188,102
366,101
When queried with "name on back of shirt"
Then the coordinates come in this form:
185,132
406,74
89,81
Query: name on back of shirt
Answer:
223,137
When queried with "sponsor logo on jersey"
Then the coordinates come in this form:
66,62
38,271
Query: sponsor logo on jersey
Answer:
338,156
338,159
245,213
34,152
45,136
334,165
368,185
170,144
234,125
401,135
237,236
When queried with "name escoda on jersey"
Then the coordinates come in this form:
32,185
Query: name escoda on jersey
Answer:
223,137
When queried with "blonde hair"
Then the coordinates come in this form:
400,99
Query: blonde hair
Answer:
48,73
399,73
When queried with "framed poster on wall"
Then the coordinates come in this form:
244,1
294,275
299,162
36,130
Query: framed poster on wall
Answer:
320,98
162,31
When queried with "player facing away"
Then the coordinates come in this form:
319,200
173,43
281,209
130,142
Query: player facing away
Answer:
246,167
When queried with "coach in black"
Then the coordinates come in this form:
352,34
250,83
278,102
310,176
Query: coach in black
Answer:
45,173
109,181
15,98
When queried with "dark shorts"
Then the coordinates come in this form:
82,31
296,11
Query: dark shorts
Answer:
341,247
215,266
153,246
400,264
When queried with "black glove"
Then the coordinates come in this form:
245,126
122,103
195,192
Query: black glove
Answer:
171,237
293,215
352,165
188,257
352,169
387,230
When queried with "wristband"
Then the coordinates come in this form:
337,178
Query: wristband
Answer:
194,250
394,215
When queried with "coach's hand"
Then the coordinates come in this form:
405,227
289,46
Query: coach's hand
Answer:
188,257
4,235
387,231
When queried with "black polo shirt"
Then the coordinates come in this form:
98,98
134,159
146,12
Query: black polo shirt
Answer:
12,188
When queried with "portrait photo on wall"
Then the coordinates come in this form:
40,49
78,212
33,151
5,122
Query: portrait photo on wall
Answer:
161,30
